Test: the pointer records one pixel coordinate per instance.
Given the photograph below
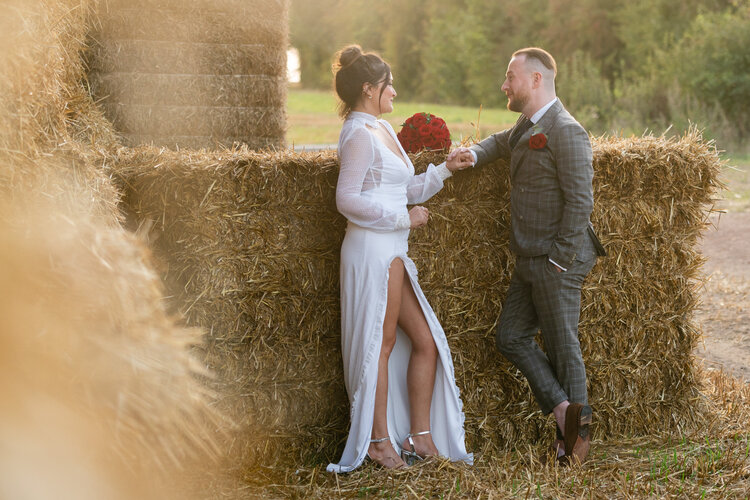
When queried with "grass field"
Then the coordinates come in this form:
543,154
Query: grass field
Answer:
312,118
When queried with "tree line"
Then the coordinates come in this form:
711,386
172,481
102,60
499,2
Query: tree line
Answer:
623,65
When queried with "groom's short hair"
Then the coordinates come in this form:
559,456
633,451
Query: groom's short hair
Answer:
540,55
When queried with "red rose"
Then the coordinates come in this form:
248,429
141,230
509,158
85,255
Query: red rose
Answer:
419,119
424,130
537,141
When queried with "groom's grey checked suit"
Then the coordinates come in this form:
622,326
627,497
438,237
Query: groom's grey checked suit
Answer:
551,204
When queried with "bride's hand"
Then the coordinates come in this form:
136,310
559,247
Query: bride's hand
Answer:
459,159
418,216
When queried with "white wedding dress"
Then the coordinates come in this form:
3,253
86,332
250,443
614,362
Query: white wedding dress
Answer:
374,187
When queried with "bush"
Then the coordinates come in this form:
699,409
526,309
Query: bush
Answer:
585,92
711,64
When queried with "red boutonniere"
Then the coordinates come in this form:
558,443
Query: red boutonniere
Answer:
538,138
424,131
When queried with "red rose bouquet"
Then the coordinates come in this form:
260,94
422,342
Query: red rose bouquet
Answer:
424,131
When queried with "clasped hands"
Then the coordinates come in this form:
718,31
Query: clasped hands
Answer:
459,159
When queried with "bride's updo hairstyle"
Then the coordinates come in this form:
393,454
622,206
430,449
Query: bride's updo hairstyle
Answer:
351,70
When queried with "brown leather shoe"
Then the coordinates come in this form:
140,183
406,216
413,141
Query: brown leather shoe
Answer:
578,417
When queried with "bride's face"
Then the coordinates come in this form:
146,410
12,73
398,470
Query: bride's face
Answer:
387,93
378,99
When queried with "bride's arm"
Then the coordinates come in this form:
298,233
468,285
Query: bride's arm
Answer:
356,155
422,187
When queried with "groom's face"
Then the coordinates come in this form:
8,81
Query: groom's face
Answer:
517,84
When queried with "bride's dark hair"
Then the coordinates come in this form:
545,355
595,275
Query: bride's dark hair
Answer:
351,70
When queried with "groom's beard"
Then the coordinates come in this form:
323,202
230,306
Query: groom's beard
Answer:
517,102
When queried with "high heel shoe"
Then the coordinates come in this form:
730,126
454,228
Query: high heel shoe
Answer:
410,457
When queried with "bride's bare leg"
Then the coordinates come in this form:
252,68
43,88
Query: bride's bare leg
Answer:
383,452
422,366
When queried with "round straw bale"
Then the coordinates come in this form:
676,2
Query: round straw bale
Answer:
119,406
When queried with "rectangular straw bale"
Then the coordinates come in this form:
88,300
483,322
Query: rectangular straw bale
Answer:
272,7
250,243
190,90
193,74
243,27
214,121
153,56
196,142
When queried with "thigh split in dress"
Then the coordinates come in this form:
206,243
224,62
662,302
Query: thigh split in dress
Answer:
366,256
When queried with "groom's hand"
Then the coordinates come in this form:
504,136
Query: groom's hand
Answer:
458,151
459,159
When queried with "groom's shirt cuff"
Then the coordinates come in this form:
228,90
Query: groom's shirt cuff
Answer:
558,265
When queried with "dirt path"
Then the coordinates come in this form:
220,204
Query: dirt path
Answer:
725,311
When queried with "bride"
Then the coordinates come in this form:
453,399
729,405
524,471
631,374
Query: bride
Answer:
404,402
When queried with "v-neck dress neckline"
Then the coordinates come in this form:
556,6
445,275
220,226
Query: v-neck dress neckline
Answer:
401,155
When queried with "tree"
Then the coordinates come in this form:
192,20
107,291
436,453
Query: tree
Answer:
318,29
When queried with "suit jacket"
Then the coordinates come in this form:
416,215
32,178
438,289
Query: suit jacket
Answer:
551,195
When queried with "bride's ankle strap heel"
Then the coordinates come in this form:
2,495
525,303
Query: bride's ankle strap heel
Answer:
411,456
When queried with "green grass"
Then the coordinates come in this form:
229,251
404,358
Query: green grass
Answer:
736,175
312,117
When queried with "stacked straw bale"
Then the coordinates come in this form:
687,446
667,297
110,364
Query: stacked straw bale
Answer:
248,244
192,73
101,387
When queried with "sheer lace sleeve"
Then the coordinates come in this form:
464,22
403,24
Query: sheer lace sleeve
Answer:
356,155
422,187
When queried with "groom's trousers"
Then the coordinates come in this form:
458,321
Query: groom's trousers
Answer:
540,297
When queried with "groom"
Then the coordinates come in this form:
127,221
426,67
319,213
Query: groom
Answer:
554,243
